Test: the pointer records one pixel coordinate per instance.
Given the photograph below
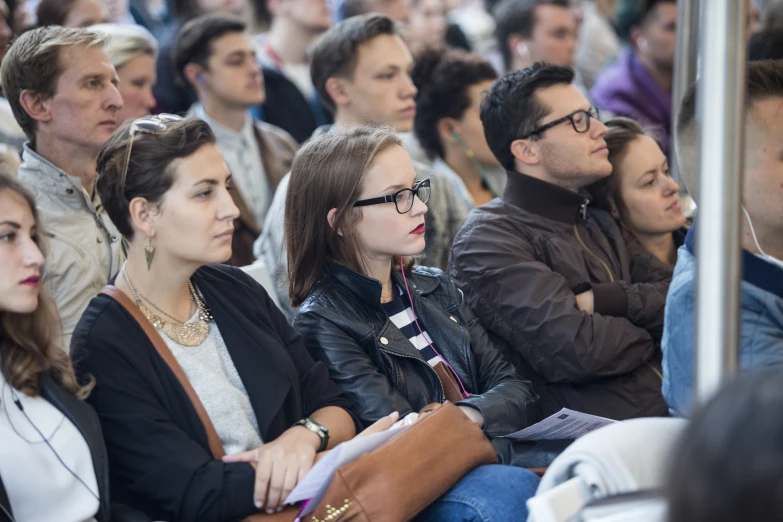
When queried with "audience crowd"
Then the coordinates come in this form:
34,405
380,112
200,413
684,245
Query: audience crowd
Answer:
237,233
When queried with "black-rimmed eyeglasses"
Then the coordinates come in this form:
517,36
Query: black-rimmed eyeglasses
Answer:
146,125
402,199
580,120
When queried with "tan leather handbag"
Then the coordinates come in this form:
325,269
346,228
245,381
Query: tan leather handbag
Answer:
397,480
392,483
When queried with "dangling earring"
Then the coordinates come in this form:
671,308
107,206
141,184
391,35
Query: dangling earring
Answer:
149,251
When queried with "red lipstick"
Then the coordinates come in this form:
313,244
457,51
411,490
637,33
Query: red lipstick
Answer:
418,230
31,281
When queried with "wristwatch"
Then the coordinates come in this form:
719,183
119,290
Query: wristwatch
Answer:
318,429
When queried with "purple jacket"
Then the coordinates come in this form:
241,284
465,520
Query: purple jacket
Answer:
626,88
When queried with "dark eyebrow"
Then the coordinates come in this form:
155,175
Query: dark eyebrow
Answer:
395,187
239,53
13,224
207,181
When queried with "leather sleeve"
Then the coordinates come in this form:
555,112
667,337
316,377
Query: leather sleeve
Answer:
650,279
533,308
507,402
370,392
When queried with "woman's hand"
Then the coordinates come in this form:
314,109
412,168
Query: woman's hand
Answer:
586,301
280,465
473,414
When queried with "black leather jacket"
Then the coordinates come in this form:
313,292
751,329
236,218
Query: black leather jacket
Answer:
344,325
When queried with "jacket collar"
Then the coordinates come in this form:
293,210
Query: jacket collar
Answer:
545,199
40,175
86,421
5,503
368,290
755,270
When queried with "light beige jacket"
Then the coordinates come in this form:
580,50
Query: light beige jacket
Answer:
82,246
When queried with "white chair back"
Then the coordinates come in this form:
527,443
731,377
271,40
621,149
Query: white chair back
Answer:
260,273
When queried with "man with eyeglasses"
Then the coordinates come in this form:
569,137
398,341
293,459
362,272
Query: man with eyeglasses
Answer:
575,306
62,89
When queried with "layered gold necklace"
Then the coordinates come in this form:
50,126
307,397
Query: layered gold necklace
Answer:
188,333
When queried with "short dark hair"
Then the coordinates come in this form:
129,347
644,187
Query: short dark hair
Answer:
772,17
517,17
335,52
194,41
764,80
443,79
150,173
766,45
53,12
351,8
634,13
511,109
726,465
183,10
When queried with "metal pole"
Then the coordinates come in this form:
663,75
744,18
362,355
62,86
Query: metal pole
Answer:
720,106
685,67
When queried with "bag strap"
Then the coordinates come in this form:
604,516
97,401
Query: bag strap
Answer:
215,446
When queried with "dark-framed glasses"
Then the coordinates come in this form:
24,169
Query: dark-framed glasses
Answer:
580,120
402,199
147,125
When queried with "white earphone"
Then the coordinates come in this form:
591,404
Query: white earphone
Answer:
762,254
522,50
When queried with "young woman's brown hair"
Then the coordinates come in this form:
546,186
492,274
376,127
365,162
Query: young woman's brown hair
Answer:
606,193
30,343
327,173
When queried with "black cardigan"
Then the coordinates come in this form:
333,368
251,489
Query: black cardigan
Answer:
158,452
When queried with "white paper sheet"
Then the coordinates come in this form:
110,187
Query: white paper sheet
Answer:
565,424
314,485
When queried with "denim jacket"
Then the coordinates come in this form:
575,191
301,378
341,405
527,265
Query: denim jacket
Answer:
761,322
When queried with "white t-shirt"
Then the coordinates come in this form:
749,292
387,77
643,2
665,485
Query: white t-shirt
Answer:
38,485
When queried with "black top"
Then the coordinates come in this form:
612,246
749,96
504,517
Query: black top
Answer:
286,107
157,446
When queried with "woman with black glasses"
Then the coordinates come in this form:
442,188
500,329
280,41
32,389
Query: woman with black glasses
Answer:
395,337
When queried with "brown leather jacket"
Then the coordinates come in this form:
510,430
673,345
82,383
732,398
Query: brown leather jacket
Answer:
522,259
277,153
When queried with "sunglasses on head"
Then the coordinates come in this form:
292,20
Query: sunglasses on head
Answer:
157,124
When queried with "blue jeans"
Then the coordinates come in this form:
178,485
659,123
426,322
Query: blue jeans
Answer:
492,493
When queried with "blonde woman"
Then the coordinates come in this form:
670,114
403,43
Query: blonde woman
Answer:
133,51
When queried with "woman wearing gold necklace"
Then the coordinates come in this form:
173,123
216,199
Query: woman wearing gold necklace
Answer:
218,369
